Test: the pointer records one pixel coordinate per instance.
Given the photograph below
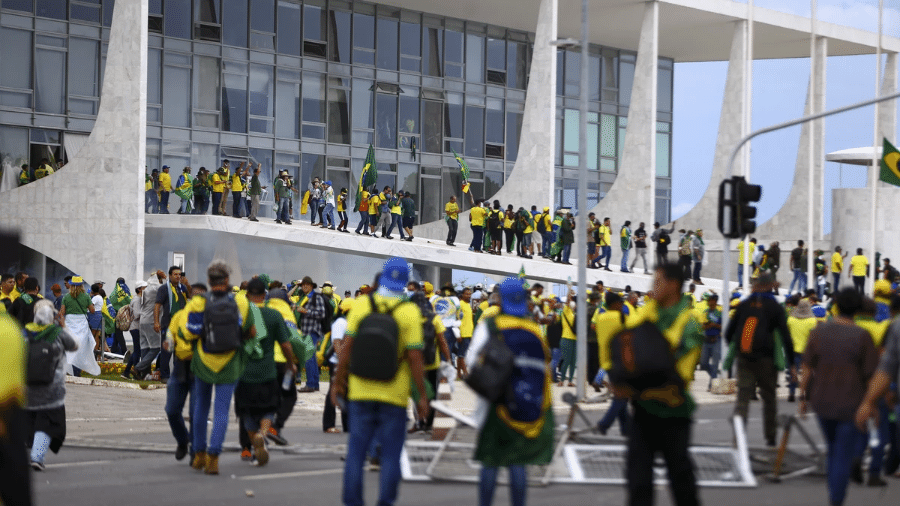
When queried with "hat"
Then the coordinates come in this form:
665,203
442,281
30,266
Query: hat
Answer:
513,297
327,283
428,288
76,280
448,286
546,209
99,283
803,310
394,275
165,167
328,183
479,286
308,280
140,284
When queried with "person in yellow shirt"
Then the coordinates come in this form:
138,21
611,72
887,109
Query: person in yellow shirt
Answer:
15,487
604,238
509,231
375,406
237,188
451,214
44,170
466,327
165,187
606,325
859,271
363,209
8,292
745,255
837,266
801,321
567,344
477,218
219,180
375,200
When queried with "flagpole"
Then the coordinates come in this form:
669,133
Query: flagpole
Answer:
811,157
875,165
581,316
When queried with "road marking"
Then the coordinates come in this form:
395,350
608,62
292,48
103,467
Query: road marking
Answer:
297,474
78,464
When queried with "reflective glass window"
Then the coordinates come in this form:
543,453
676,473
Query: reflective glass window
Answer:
607,135
19,5
313,90
313,22
432,200
363,106
206,91
432,126
494,121
177,98
475,58
593,140
493,180
410,47
262,98
453,54
571,119
626,74
287,110
13,146
108,12
363,39
610,75
432,51
49,82
15,65
84,58
234,97
82,12
262,15
154,76
513,130
407,179
474,131
338,116
311,166
339,36
664,85
288,28
234,23
55,9
496,54
573,73
385,121
662,155
560,72
594,82
453,116
386,50
516,63
155,6
408,123
208,11
177,18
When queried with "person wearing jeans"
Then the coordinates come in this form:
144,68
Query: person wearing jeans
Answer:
451,212
215,374
311,310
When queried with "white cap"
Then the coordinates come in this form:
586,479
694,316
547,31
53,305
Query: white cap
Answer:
140,284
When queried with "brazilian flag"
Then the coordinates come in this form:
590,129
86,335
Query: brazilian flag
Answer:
464,170
889,158
368,177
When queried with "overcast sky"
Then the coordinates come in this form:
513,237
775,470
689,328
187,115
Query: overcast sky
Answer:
779,94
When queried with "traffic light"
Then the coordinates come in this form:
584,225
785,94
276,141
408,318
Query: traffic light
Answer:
737,211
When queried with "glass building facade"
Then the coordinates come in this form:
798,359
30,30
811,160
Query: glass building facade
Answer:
307,86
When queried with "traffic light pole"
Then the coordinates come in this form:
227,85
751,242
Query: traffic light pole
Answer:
726,253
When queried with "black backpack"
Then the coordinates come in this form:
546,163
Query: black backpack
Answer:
664,239
326,320
541,226
643,360
494,221
490,375
429,339
374,354
221,324
43,357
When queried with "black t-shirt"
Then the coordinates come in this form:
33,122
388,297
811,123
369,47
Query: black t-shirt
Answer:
640,238
797,257
22,310
162,297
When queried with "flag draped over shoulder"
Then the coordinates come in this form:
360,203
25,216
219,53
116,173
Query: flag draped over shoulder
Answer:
464,169
368,177
889,158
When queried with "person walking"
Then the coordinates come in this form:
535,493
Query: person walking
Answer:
165,188
328,212
237,189
607,324
712,338
46,394
523,436
283,199
698,252
202,189
839,360
315,194
625,239
363,227
408,215
801,323
170,299
545,227
218,361
76,305
310,309
798,266
640,247
509,229
255,193
837,268
859,271
477,218
377,407
684,252
342,210
396,215
383,213
604,236
745,257
184,188
151,192
758,351
662,237
135,329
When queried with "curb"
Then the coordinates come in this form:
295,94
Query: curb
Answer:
109,383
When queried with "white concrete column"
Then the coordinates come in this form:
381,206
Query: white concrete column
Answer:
532,180
54,214
633,194
887,112
731,119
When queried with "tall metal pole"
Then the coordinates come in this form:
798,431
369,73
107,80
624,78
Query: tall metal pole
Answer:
747,127
580,235
811,158
875,165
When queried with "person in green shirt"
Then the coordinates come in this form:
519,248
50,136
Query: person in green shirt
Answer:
256,397
283,199
662,423
255,192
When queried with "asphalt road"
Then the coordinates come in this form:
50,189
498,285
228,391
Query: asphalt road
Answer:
120,451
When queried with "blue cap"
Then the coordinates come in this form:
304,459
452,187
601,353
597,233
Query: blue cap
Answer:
395,274
328,183
165,166
513,297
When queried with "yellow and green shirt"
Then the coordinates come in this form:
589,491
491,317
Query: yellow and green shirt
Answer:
452,210
478,214
837,262
215,368
858,265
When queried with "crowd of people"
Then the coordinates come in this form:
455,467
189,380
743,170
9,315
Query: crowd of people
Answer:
396,339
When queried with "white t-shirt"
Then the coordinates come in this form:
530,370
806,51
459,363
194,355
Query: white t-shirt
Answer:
329,196
97,301
338,329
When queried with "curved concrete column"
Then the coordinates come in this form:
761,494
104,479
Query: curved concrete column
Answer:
89,216
531,181
704,215
633,194
887,113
